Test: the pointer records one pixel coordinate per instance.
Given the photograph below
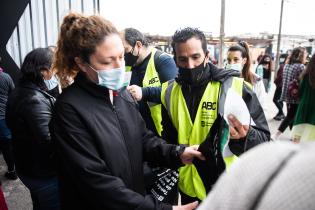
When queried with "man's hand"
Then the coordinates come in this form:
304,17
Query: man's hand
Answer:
135,91
237,130
190,153
189,206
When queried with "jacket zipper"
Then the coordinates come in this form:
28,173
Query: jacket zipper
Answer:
130,163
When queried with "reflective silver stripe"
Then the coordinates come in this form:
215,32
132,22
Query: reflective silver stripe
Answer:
168,92
152,104
224,88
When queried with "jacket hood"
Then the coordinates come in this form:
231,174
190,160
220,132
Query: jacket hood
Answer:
220,74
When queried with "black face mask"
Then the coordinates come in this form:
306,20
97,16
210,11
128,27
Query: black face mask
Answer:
192,76
130,58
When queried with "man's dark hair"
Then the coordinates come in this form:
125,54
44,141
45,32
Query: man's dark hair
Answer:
132,35
183,35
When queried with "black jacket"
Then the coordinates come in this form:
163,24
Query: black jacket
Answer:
28,113
193,94
101,147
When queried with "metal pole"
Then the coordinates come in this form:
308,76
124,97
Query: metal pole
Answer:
45,23
98,7
19,44
94,7
58,16
31,21
222,33
279,39
82,6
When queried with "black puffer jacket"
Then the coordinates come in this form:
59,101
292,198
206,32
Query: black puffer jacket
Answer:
101,148
28,113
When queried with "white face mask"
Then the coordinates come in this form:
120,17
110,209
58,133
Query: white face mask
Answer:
234,66
51,83
113,79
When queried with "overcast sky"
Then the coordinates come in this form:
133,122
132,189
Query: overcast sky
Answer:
163,17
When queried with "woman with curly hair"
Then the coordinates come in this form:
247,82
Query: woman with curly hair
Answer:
101,139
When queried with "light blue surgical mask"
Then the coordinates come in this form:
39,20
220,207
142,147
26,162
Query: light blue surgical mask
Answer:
51,83
113,79
234,66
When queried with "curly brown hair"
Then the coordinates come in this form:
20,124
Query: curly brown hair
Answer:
79,36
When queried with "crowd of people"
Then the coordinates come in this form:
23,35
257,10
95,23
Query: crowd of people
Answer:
104,120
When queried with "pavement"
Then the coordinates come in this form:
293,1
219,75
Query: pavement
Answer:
18,197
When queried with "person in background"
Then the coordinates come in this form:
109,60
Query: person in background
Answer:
278,82
238,58
101,139
304,122
150,68
271,176
193,110
291,71
262,53
28,113
53,85
264,70
6,87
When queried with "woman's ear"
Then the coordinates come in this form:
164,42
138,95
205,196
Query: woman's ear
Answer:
244,61
80,63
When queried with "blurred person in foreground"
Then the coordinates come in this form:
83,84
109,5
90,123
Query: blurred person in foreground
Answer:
101,139
272,176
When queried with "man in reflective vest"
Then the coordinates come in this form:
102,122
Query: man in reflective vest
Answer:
193,106
150,68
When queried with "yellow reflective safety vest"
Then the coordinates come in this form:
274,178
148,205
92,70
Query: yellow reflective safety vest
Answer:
190,133
228,156
151,79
